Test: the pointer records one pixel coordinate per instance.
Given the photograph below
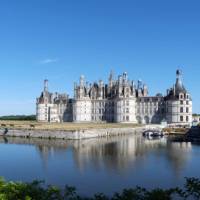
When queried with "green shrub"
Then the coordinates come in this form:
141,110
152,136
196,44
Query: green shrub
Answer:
38,191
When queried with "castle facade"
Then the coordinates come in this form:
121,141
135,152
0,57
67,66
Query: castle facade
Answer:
120,101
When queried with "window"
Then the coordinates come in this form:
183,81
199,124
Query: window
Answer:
187,118
187,102
181,118
181,102
181,109
187,110
127,110
127,118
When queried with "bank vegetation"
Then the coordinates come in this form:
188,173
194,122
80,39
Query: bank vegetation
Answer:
38,191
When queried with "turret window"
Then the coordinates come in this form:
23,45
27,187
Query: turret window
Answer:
181,109
181,118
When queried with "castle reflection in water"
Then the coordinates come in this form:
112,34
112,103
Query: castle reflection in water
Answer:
112,153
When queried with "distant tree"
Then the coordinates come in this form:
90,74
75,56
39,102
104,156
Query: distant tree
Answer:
195,115
19,117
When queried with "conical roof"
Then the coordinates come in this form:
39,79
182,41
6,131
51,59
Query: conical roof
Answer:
179,87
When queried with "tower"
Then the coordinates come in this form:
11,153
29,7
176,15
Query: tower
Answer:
82,102
125,101
179,103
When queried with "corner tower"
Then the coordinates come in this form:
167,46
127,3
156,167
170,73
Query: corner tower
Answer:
178,103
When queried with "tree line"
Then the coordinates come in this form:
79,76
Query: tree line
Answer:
19,117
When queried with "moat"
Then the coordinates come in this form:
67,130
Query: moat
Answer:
101,164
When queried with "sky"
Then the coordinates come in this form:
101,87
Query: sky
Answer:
59,40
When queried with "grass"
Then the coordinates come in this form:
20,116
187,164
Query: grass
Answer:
24,125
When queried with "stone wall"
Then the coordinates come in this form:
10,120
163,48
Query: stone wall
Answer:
72,135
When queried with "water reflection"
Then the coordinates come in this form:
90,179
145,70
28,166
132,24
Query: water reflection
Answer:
113,153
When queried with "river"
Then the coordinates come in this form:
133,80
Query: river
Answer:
105,165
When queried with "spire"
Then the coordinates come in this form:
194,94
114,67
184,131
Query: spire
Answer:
111,75
125,77
139,84
82,81
110,79
45,85
179,76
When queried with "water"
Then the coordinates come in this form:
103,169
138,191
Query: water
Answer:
100,165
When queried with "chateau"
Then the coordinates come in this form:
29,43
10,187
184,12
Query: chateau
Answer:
120,101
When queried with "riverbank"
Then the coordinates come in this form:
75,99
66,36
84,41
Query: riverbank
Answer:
69,135
73,131
176,131
67,126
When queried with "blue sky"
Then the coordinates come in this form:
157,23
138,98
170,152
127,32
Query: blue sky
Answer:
62,39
